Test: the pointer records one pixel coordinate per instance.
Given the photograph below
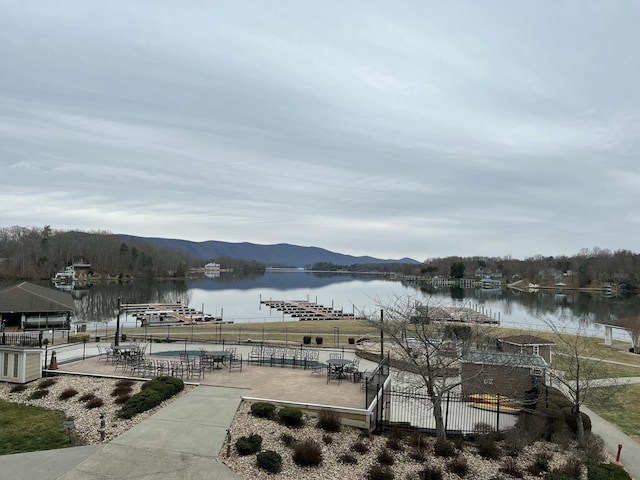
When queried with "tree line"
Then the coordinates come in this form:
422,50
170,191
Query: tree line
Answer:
38,253
587,268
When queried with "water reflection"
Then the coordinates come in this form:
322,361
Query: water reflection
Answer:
237,297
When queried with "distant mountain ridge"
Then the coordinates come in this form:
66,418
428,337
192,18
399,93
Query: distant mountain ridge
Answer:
282,254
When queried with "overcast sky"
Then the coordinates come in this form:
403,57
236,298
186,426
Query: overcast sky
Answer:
406,128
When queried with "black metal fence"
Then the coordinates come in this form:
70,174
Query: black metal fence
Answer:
411,409
21,339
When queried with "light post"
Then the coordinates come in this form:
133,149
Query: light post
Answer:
117,341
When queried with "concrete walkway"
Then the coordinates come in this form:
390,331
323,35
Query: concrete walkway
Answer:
180,441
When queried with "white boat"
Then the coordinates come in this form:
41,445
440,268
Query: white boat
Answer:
68,275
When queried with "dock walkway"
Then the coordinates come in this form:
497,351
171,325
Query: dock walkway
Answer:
305,310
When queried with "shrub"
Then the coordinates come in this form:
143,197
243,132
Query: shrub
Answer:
67,393
327,439
125,382
249,444
540,464
290,416
385,457
417,440
166,386
86,397
270,461
459,466
121,390
571,420
380,472
306,339
394,444
444,449
417,454
572,468
605,471
94,403
21,387
360,447
430,472
594,448
122,399
510,467
329,421
488,448
263,409
40,393
557,476
140,402
348,459
288,440
307,454
319,340
47,382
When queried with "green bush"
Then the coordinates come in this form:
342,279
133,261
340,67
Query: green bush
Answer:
249,444
290,416
40,393
605,471
572,421
140,402
166,386
430,472
270,461
557,476
263,409
306,339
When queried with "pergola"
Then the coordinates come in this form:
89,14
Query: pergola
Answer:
631,325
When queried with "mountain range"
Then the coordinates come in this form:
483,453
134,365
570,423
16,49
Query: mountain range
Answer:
279,255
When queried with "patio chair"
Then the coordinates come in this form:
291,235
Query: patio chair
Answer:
267,354
162,367
334,374
289,357
195,369
177,369
235,362
255,354
335,355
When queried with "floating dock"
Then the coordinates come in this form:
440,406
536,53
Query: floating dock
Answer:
168,314
305,310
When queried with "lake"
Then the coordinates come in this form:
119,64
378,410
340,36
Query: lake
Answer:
237,297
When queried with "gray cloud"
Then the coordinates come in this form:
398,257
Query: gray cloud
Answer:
390,129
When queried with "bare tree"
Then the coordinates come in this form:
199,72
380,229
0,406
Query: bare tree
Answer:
428,348
579,367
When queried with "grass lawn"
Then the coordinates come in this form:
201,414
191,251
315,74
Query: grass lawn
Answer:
622,410
25,428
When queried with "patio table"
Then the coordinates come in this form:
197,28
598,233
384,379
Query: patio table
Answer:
218,356
338,364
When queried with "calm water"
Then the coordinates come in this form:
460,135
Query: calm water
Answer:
237,298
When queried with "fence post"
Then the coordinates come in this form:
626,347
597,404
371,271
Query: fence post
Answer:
446,414
498,415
